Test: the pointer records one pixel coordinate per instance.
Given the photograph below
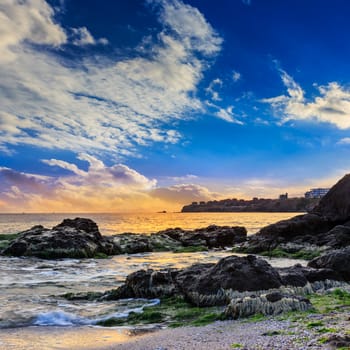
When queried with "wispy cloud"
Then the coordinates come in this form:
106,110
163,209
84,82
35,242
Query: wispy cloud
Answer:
236,76
332,105
210,90
98,104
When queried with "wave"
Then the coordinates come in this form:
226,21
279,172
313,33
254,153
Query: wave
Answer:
62,318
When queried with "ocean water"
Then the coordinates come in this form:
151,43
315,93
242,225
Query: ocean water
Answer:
31,289
146,223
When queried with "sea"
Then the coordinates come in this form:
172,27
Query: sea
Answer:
31,289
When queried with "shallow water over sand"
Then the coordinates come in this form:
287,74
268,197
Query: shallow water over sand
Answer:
31,288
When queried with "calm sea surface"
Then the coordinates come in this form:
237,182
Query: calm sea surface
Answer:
31,288
110,224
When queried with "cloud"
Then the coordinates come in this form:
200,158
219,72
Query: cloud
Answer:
27,21
344,141
210,90
98,103
100,188
81,36
185,193
228,115
332,105
236,76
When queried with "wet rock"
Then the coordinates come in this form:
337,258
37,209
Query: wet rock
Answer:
149,284
337,260
266,304
131,243
299,276
205,284
336,238
66,240
212,236
248,273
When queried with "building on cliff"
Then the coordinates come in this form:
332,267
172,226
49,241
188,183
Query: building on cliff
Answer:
316,193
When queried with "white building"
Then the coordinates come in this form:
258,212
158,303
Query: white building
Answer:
316,192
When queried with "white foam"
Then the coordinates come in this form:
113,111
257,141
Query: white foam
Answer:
59,318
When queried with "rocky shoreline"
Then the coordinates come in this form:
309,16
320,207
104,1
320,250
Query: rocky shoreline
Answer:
81,238
239,286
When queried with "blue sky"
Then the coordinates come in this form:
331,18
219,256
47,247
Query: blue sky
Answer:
145,105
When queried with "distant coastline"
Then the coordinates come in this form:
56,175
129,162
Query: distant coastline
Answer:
299,204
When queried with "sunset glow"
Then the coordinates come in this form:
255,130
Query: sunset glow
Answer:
147,105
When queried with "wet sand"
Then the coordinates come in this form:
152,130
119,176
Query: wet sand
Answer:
62,338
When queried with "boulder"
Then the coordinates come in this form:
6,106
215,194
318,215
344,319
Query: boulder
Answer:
66,240
335,205
337,260
212,236
327,225
299,276
336,238
204,284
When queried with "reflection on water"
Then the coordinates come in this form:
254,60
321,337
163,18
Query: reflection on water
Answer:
55,338
145,223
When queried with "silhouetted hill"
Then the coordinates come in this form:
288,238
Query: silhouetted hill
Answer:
255,205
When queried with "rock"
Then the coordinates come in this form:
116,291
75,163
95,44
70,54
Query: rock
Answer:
335,205
326,226
148,284
248,273
66,240
212,236
204,284
336,238
267,304
299,276
301,228
336,341
131,243
337,260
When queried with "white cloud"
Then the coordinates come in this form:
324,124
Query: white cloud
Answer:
228,115
100,188
98,104
185,193
81,36
27,21
236,76
211,89
344,141
332,105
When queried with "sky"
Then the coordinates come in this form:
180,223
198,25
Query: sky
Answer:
146,105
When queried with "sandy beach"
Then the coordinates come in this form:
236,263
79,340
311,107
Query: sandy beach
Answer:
279,333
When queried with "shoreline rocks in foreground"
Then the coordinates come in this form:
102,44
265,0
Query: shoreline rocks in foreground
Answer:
244,286
81,238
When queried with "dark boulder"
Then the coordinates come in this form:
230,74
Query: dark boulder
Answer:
298,275
336,238
205,284
335,205
212,236
337,260
67,240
